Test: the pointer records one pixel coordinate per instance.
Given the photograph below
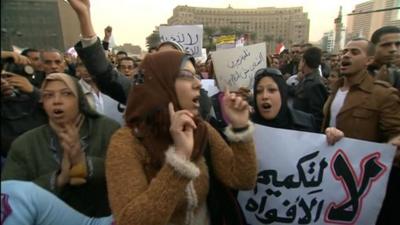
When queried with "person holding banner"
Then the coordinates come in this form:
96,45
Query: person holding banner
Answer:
271,107
161,168
367,109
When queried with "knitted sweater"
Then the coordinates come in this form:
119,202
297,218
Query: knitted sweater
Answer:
175,194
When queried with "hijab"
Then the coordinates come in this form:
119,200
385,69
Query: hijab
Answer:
74,86
282,119
147,107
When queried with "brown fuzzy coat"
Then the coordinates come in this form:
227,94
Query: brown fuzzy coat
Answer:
139,194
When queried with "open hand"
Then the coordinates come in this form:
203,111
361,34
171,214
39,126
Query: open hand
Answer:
69,137
181,130
20,82
17,58
6,88
63,177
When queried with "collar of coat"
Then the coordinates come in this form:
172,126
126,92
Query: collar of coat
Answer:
362,80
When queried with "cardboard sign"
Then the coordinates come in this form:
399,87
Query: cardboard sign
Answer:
303,180
236,67
189,36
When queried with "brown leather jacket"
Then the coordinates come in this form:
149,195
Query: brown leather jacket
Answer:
371,110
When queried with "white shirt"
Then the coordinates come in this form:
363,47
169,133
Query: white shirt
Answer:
337,104
103,104
95,100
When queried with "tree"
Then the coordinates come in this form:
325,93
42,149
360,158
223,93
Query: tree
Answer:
279,39
268,38
253,37
208,38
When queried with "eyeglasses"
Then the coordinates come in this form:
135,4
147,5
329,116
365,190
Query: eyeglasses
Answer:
123,67
185,74
270,71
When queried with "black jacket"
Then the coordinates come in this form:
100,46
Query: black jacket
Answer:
290,68
310,96
18,115
109,80
303,121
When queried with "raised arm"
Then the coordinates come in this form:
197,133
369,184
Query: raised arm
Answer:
82,9
235,164
90,50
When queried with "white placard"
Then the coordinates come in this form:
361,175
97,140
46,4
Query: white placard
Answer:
189,36
236,67
203,57
302,180
209,86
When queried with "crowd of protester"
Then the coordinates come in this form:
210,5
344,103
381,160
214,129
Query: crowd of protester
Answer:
103,138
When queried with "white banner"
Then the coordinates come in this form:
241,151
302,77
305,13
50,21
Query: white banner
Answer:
189,36
235,67
302,180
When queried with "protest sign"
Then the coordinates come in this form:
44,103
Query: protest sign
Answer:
203,57
302,180
209,86
189,36
235,67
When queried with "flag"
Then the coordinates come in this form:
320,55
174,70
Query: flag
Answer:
225,41
279,48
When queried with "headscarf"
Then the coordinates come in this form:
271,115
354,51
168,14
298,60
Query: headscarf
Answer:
147,106
282,119
74,86
174,44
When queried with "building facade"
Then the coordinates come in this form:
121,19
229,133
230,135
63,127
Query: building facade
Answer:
132,50
339,34
269,24
363,25
38,24
328,41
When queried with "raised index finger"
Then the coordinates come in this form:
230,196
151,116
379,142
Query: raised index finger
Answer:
227,92
171,110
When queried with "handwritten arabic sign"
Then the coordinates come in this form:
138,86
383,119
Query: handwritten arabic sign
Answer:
189,36
235,67
302,180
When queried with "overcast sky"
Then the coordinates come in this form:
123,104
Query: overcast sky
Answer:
134,20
